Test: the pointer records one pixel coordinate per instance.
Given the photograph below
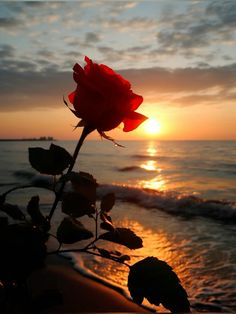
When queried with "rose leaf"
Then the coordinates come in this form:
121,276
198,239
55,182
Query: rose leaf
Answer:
76,205
3,222
104,253
37,217
13,211
71,230
107,202
83,183
106,223
124,237
49,161
155,280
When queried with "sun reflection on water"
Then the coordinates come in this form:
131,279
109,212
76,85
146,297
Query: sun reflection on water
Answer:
156,183
150,165
151,149
156,243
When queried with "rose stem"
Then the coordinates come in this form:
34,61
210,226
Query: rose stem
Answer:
85,132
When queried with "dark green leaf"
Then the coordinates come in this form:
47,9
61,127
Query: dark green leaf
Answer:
13,211
76,205
124,237
104,252
83,183
155,280
107,202
71,231
37,217
52,161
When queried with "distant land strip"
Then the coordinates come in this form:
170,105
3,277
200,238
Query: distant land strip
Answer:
42,138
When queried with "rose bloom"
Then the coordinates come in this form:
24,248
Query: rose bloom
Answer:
103,99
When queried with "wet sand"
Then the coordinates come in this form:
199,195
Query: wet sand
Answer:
73,292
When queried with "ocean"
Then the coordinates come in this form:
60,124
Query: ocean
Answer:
179,196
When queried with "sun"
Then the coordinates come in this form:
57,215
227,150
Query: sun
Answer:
152,126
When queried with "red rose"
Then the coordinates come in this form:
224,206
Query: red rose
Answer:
103,99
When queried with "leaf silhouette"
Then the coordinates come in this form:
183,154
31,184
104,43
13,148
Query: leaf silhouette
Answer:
37,217
104,252
71,230
124,237
3,222
107,202
76,205
13,211
2,199
23,250
106,222
124,258
52,161
155,280
83,183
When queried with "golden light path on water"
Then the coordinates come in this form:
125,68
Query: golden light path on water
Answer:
159,178
157,183
156,242
199,257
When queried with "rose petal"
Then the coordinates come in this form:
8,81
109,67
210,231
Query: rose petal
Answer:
136,101
106,69
87,60
71,97
78,74
132,121
88,66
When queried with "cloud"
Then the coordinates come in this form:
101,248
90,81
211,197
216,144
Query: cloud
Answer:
34,3
22,86
31,90
20,15
118,7
121,25
224,11
185,86
45,53
6,51
91,37
183,79
18,66
199,28
9,22
111,55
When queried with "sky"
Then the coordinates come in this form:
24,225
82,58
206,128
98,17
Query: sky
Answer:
178,54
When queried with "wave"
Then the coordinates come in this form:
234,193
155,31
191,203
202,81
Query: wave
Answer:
24,174
133,168
155,157
173,203
170,202
78,264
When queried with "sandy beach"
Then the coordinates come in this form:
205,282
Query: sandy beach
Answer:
73,292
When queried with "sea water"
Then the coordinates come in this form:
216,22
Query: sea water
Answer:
179,196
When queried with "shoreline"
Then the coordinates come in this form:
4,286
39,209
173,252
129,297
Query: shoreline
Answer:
73,292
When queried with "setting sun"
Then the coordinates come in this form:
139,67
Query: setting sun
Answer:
152,126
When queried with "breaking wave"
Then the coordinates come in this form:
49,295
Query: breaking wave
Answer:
173,203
